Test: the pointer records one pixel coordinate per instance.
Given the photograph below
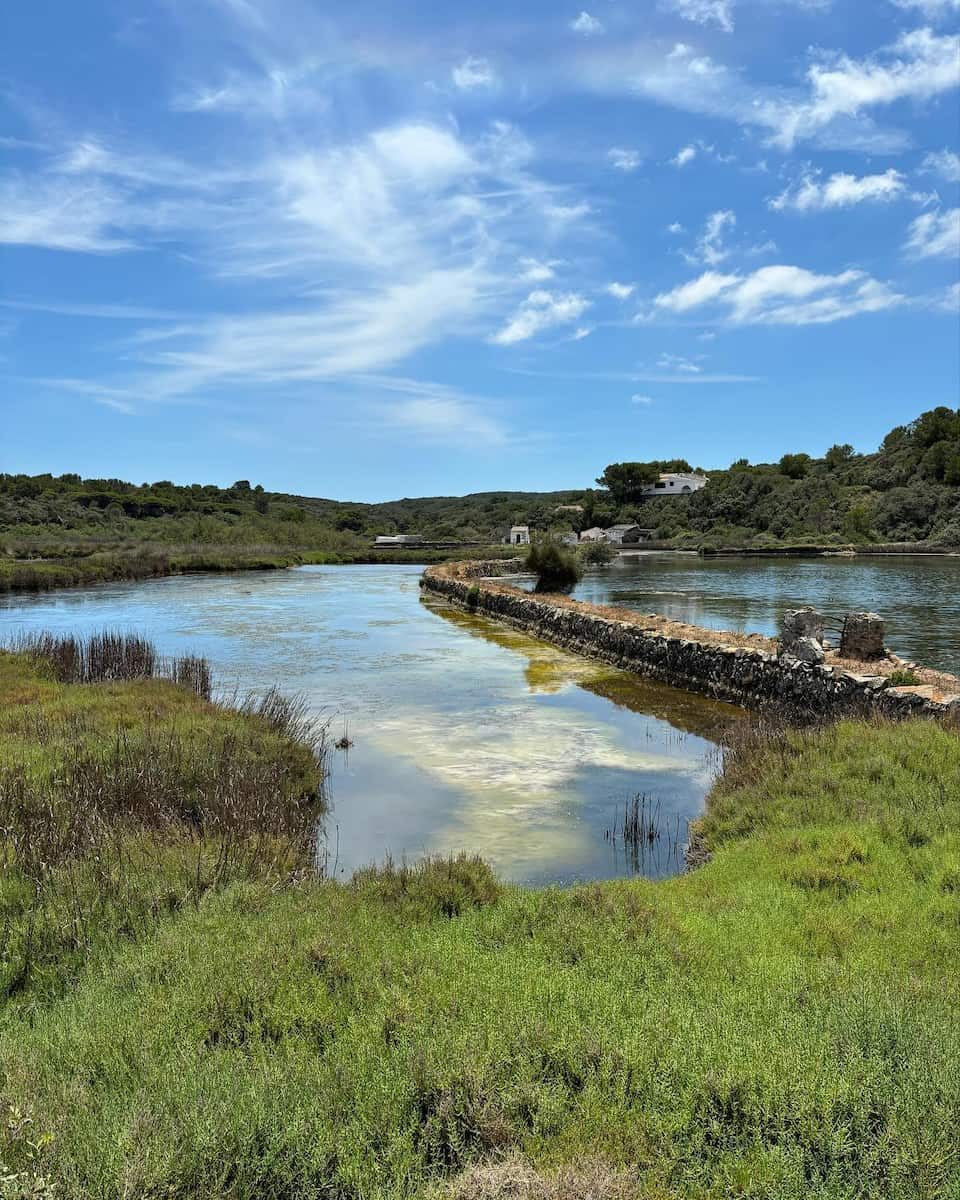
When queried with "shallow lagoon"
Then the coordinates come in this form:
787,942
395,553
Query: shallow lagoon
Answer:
465,735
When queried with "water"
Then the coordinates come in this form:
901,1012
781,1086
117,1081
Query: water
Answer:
917,595
466,735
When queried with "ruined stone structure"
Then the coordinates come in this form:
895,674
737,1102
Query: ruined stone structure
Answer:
862,636
742,675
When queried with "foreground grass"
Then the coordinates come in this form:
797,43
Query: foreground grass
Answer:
784,1022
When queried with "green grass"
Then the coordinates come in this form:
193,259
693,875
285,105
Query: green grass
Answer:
149,562
784,1022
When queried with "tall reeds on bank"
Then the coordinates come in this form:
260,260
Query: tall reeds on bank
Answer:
126,792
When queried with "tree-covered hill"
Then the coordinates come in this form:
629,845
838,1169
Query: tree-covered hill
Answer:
906,491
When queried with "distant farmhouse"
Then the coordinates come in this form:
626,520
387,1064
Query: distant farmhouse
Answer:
519,536
617,535
674,484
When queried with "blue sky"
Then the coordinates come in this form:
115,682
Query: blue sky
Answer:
370,250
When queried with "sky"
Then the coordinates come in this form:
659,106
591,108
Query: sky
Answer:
372,250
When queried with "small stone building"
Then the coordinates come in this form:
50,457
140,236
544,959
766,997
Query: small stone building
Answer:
519,535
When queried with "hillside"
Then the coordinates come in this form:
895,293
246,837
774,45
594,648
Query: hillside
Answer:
906,491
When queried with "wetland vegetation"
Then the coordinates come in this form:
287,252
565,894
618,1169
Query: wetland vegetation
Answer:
190,1011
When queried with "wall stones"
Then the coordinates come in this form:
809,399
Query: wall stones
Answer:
800,623
862,636
749,677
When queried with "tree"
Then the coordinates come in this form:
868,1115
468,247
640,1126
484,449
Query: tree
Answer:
837,455
626,481
795,466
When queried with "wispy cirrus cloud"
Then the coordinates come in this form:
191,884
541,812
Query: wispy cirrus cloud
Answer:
390,242
945,163
934,235
931,10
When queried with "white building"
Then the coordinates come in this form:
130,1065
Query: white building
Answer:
596,534
616,535
519,535
569,539
398,539
674,485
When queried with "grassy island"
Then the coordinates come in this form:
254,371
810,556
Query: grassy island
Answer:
190,1012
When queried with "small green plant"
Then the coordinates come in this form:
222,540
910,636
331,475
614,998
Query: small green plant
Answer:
597,554
903,679
473,596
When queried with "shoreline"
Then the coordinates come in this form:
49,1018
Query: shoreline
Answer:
33,575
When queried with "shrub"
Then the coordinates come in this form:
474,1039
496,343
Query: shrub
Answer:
554,567
902,679
597,553
473,596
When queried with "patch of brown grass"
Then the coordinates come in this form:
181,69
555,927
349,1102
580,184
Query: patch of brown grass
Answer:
516,1179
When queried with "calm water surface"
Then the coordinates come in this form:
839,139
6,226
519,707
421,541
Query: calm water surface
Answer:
918,595
466,735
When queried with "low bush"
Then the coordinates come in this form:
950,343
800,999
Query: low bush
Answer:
554,567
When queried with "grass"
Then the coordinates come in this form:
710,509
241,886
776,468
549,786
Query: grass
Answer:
147,561
784,1022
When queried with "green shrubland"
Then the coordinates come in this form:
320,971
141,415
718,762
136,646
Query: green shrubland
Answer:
62,530
782,1022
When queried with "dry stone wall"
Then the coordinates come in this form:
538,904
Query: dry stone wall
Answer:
745,676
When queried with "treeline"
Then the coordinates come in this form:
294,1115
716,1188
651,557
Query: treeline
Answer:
907,491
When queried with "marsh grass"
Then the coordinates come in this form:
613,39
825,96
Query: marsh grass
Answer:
125,793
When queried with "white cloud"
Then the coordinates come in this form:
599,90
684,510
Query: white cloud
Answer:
783,295
675,228
541,310
61,214
948,300
918,65
710,247
684,156
395,240
623,160
579,334
586,24
705,12
535,271
697,292
677,362
636,398
934,235
446,419
841,190
945,163
931,10
619,291
473,73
